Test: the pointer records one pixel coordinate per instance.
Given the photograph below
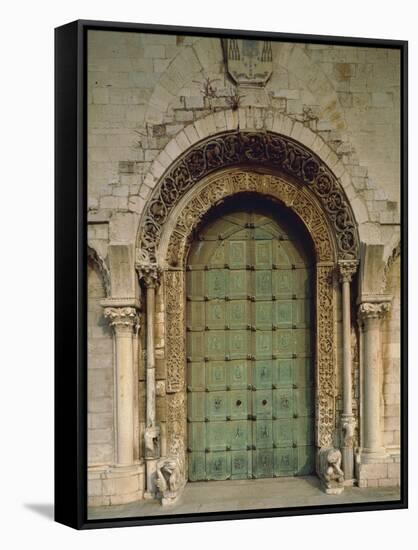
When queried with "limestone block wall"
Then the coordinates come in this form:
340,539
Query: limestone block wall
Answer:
144,89
100,375
392,363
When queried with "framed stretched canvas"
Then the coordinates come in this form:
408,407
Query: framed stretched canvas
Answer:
230,274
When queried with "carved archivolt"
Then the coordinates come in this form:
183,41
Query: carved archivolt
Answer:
219,188
215,190
266,149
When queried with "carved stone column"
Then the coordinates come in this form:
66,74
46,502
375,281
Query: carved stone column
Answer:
347,269
124,321
370,314
149,274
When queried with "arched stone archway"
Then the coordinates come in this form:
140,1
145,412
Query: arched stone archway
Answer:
268,150
175,242
280,170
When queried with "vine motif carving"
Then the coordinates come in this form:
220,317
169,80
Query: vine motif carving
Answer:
258,148
176,428
175,351
325,364
227,185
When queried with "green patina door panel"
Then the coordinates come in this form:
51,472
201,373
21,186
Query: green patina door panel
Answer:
249,350
262,463
241,464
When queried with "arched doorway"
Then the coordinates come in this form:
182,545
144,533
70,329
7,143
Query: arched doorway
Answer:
250,355
166,240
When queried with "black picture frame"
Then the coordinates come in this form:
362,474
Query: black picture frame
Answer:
70,274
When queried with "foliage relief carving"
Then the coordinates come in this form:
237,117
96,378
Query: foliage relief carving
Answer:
257,148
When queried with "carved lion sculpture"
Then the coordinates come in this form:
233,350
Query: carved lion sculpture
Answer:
330,470
169,478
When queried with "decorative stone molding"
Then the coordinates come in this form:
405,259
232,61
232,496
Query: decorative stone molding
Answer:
176,427
125,318
175,345
149,273
102,267
226,185
325,356
266,149
330,471
347,270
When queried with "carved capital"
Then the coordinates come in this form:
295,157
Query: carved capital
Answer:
347,270
149,273
122,318
373,310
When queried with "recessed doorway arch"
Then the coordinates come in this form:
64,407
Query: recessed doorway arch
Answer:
173,250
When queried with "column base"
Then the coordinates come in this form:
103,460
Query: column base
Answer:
112,485
372,472
371,456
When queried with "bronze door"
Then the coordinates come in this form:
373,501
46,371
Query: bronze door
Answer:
249,351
